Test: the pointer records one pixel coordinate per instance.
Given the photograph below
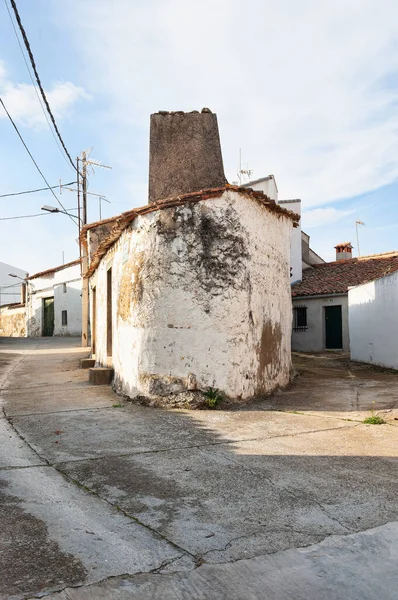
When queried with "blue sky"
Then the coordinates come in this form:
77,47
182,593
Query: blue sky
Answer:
308,90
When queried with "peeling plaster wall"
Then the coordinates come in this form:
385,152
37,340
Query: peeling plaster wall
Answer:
13,322
200,298
52,285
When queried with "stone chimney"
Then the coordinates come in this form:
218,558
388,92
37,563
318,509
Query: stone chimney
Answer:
184,154
343,251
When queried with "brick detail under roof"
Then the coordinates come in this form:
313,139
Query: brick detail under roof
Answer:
336,277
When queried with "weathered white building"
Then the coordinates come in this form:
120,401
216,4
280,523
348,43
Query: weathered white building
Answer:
192,292
54,305
268,186
373,321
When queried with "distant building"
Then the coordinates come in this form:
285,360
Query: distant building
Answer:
54,305
10,287
320,300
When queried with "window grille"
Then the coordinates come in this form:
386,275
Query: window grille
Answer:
64,317
300,318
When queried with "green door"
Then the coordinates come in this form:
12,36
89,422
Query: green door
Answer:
333,327
48,316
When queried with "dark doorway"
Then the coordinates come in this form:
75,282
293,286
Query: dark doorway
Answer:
109,313
48,316
94,323
333,327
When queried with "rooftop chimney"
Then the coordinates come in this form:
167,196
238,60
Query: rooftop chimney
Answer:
185,154
343,251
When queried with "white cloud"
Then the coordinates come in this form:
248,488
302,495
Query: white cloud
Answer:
22,102
297,85
317,217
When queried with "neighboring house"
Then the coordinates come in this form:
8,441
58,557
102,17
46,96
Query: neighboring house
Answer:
10,287
373,321
54,305
308,256
320,301
192,291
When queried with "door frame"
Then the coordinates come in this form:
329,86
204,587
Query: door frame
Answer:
43,304
333,307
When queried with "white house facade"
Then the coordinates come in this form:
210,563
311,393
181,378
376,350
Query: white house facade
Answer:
54,305
373,321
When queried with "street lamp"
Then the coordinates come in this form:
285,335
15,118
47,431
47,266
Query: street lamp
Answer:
25,283
54,209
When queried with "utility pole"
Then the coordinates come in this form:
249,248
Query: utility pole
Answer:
85,160
85,291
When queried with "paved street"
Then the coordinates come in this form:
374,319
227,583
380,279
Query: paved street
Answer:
289,498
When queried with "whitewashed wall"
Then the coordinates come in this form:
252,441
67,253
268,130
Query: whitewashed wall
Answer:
201,297
52,285
373,322
269,187
295,242
266,185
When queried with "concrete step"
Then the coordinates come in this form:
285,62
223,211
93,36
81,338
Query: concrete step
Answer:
100,375
86,363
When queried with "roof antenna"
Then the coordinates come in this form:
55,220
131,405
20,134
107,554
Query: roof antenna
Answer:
243,172
358,222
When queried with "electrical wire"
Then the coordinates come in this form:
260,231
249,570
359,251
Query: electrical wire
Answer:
35,88
53,187
42,214
43,94
31,156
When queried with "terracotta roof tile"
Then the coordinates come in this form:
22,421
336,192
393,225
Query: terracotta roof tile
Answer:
55,269
336,277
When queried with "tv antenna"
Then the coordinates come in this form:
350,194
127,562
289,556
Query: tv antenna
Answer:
242,173
358,222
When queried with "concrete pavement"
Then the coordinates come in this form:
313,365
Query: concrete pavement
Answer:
288,498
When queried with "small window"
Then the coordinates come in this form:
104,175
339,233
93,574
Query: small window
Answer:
64,288
64,317
300,318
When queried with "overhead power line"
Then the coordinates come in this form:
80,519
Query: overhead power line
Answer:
42,214
53,187
35,88
31,156
43,94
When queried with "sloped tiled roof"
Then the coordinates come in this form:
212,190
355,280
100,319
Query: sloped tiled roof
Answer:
55,269
336,277
120,222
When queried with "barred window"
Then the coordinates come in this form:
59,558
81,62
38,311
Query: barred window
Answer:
64,317
300,318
